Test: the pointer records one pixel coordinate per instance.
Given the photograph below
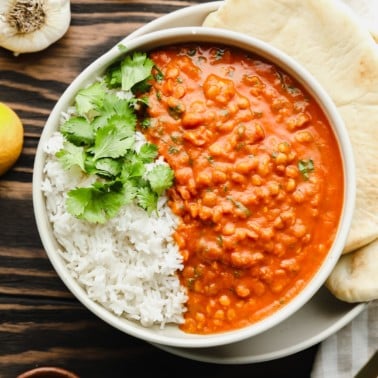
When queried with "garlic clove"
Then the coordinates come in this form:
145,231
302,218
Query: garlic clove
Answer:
32,25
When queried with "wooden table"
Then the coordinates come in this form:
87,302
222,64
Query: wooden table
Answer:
41,323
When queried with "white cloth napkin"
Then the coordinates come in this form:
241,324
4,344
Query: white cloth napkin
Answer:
345,353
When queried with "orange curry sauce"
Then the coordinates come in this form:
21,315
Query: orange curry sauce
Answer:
258,181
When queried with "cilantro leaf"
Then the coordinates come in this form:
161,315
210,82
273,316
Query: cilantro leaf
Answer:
125,109
105,112
71,155
108,167
111,142
89,99
112,105
78,131
125,126
160,178
77,201
133,167
147,199
113,76
148,152
90,164
95,204
135,68
141,87
129,192
120,106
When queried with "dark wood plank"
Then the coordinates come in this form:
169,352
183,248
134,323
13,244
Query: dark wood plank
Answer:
63,333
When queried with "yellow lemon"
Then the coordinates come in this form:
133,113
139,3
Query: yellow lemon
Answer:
11,137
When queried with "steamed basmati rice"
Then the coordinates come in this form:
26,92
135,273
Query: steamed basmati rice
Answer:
129,264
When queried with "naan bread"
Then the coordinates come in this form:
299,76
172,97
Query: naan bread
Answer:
354,278
331,42
367,10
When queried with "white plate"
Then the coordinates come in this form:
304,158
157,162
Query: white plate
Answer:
322,316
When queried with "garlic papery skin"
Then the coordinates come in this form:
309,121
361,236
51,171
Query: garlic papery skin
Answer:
32,25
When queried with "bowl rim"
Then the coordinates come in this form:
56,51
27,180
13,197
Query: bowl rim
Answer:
174,36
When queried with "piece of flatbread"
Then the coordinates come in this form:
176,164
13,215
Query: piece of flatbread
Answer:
367,10
327,38
354,279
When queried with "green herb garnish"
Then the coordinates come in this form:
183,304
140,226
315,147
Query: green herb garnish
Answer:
173,150
287,87
176,111
239,206
219,54
135,68
306,167
100,139
158,76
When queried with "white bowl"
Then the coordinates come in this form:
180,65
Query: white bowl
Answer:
171,335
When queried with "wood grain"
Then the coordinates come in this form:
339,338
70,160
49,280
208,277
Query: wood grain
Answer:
41,323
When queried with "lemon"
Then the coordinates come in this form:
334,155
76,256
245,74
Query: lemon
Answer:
11,137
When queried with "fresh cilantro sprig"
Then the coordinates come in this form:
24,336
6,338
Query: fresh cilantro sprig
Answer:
133,71
159,178
96,204
100,140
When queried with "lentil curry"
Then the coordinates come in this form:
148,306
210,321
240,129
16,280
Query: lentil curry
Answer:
258,181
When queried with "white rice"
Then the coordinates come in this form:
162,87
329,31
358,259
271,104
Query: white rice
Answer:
129,264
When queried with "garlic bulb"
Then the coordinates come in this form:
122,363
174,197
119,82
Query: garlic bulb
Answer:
32,25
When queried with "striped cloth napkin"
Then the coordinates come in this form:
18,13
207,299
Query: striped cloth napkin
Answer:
346,353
